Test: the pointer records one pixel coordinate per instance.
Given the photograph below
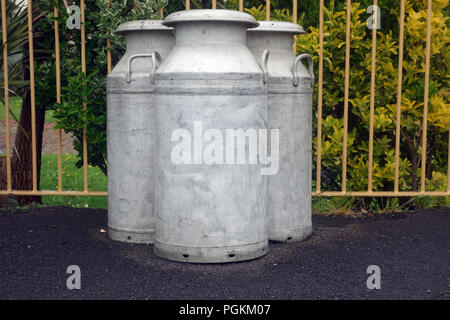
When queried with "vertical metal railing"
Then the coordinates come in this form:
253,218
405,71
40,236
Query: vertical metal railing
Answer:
294,20
399,94
108,45
346,91
58,96
6,98
32,94
448,162
370,192
425,99
30,35
83,69
372,94
320,102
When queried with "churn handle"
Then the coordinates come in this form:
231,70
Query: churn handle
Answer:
264,62
156,59
311,68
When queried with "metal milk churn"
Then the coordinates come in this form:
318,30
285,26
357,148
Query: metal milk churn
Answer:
210,203
131,146
290,88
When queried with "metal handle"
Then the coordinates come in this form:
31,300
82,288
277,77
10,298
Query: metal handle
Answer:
310,68
265,69
156,59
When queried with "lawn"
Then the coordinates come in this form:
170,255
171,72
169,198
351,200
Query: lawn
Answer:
72,180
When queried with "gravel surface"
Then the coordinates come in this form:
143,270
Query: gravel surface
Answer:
412,250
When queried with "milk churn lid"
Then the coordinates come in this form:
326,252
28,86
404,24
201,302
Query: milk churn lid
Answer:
141,25
210,15
279,26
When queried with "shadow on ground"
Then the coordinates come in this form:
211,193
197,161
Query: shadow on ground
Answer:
412,250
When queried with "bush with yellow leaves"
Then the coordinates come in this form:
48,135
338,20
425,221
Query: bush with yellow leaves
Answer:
385,99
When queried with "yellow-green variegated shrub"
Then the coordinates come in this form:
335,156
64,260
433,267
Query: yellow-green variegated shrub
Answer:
385,99
385,96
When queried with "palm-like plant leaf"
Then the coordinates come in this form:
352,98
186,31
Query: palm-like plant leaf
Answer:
17,38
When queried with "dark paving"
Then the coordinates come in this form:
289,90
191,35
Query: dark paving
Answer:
412,250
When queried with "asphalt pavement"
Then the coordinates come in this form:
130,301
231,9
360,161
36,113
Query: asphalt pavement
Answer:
411,249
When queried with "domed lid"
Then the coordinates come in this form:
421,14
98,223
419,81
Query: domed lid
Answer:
141,25
279,26
210,15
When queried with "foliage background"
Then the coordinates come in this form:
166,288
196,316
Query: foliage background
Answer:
78,88
385,97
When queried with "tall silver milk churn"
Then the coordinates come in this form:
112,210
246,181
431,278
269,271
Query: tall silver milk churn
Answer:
210,205
131,131
290,88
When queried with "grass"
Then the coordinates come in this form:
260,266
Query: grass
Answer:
15,106
328,205
72,180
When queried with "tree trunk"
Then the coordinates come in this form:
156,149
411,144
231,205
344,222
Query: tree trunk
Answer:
21,155
22,159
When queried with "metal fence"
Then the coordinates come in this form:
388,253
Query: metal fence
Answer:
318,192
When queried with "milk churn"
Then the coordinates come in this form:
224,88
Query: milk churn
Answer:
131,131
210,204
290,87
